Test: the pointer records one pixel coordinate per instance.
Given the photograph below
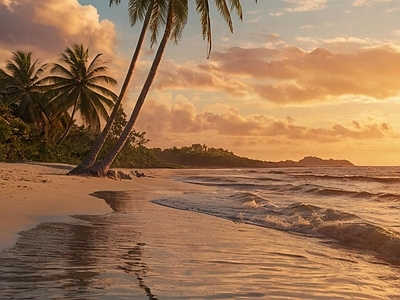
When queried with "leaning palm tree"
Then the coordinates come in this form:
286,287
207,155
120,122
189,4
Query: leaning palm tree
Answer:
138,10
176,19
78,86
20,88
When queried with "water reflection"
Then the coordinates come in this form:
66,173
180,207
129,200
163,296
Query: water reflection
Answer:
118,201
96,257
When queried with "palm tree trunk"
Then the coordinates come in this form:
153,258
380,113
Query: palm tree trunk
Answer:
101,168
69,124
90,159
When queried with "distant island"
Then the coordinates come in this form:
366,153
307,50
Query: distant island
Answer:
312,161
201,156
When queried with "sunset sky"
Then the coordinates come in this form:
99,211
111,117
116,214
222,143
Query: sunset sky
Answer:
296,78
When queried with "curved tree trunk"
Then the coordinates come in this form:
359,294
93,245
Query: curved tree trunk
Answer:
69,124
101,168
90,159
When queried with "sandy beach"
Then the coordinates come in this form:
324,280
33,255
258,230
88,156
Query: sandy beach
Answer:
31,193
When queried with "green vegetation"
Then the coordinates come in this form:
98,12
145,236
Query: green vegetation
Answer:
200,156
78,85
23,141
37,112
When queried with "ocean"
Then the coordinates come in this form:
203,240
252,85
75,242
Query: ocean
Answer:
288,233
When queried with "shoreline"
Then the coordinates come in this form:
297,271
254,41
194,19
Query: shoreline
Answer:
32,193
151,251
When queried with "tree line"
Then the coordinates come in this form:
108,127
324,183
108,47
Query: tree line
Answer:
49,96
39,104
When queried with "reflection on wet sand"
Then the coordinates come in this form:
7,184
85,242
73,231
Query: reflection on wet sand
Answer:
118,201
96,257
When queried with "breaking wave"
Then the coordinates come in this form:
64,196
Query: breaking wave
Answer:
345,228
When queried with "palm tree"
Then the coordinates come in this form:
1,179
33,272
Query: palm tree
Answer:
79,85
137,11
176,19
20,88
154,12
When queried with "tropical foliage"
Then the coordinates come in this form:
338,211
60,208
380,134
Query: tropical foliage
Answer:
201,156
19,88
39,105
79,85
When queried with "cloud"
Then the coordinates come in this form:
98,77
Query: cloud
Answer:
202,77
6,3
368,2
181,118
291,75
48,27
306,5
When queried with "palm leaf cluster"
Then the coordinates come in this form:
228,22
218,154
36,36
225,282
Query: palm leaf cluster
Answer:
20,88
72,86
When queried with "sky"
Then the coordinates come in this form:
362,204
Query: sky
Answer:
296,77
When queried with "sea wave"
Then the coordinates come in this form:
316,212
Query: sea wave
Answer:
343,227
379,179
332,192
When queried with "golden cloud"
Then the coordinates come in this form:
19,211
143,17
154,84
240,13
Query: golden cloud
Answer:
47,27
291,75
160,119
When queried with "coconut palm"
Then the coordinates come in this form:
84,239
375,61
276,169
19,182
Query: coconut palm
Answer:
78,86
20,88
176,19
138,10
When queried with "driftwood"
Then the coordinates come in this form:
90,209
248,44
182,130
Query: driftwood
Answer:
119,175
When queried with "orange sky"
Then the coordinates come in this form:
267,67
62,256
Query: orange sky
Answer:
297,78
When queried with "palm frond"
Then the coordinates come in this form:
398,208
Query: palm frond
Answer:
158,18
179,19
102,79
224,12
235,5
137,10
116,2
203,8
62,71
104,91
94,63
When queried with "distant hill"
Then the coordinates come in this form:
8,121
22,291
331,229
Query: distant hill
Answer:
316,161
201,156
312,161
